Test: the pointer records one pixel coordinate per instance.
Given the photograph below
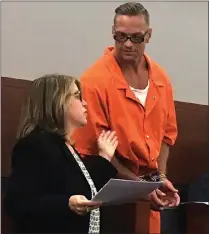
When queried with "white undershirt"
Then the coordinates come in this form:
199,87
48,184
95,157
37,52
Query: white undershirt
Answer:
141,94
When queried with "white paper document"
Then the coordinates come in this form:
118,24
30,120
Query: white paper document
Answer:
117,191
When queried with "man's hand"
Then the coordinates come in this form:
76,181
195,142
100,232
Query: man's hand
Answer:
156,200
167,195
171,193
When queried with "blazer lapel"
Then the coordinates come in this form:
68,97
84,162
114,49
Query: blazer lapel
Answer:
69,158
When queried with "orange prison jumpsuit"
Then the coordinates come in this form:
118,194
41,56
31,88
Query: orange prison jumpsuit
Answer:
112,105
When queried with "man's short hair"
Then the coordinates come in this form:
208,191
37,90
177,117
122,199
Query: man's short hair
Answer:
132,9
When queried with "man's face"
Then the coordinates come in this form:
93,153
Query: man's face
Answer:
131,49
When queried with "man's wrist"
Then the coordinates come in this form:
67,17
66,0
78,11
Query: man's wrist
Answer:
162,176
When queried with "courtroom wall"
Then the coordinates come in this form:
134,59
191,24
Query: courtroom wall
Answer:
67,37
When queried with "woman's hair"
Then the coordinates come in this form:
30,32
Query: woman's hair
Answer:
45,106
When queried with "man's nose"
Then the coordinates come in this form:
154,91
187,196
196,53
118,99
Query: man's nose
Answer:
128,43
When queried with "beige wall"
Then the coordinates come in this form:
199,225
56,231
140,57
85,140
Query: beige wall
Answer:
67,37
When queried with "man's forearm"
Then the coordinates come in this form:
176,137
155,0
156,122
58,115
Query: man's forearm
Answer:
123,172
163,158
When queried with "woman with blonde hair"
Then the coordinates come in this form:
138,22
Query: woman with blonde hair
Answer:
51,186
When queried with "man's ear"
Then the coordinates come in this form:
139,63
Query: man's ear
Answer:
113,29
148,36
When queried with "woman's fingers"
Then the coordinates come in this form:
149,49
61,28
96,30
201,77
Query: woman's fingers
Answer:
78,203
84,202
90,203
115,144
106,135
111,136
101,135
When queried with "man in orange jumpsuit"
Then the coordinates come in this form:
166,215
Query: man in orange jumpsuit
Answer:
126,91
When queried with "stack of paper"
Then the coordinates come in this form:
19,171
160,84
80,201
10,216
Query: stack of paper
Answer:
117,191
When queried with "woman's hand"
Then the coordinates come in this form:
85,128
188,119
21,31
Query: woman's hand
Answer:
81,205
107,144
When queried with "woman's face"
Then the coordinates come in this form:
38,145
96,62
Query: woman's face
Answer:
76,112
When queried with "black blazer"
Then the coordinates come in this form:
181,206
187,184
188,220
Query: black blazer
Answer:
44,176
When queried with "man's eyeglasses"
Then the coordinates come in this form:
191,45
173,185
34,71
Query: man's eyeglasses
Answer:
136,38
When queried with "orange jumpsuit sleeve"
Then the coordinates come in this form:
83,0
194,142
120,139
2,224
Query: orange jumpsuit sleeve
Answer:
85,138
171,125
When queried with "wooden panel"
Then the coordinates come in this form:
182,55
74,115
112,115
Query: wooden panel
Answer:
189,158
118,219
127,218
197,219
13,94
6,223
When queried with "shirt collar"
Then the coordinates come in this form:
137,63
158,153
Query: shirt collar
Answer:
116,71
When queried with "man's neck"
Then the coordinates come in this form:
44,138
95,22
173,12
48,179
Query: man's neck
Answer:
135,66
136,73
